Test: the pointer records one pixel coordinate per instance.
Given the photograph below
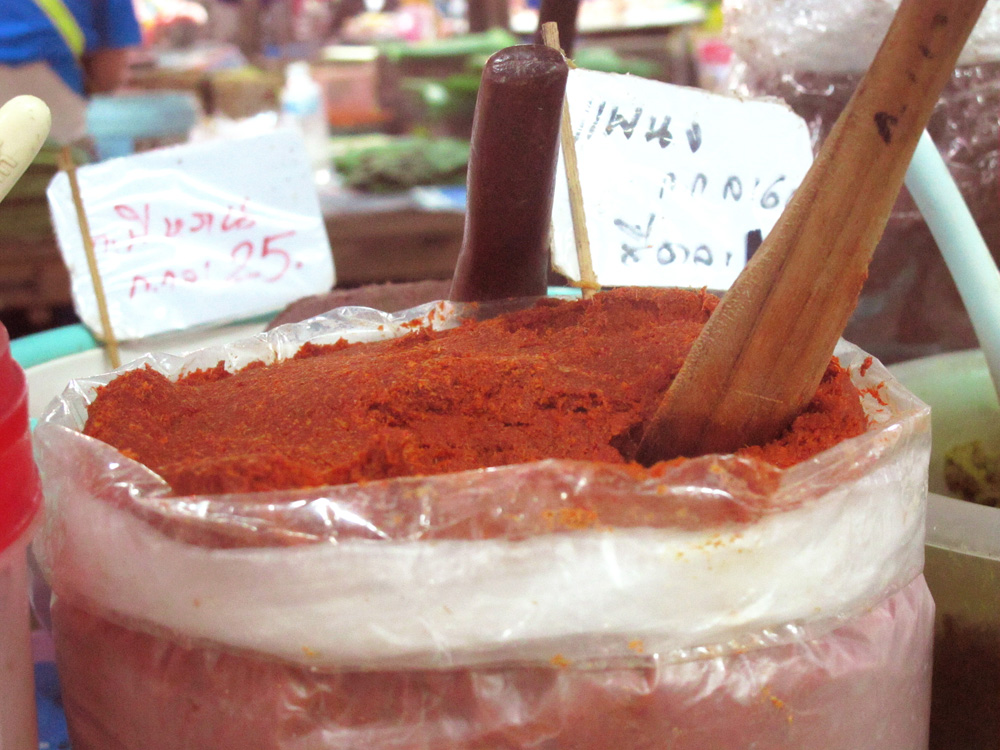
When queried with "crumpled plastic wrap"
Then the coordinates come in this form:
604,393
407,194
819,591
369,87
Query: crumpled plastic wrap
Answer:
555,604
811,54
823,37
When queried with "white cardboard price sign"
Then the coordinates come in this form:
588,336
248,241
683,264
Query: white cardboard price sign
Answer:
675,181
196,234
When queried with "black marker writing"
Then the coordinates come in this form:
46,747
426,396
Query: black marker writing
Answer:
661,134
618,121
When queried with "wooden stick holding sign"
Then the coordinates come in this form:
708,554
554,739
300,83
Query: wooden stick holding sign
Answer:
67,164
588,280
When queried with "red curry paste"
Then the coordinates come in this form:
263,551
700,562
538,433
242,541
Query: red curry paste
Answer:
560,380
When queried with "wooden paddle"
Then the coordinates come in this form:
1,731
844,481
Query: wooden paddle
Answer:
761,356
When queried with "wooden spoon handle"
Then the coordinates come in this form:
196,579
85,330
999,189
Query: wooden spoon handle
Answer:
760,357
511,178
563,13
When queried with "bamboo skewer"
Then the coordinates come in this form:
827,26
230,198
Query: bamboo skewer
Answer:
760,357
588,280
67,164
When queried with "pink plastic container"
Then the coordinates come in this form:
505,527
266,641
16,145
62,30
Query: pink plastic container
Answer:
457,612
20,499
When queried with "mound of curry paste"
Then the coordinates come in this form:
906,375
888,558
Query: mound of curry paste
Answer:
559,380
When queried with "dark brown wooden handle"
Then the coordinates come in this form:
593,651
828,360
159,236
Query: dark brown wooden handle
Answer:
512,166
761,356
563,13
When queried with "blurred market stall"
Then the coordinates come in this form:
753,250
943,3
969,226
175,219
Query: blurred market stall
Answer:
384,91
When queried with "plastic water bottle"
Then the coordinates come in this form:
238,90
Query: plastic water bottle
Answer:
302,104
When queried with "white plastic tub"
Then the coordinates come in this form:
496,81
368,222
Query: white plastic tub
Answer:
963,554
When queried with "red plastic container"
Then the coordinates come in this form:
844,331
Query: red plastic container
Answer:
20,499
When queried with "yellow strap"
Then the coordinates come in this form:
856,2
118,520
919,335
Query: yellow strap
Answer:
65,23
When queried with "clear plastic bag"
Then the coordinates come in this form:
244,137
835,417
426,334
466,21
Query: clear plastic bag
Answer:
812,54
556,604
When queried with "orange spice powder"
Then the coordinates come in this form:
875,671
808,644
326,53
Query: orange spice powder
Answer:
559,380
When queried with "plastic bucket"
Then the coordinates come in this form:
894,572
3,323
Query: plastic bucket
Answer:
121,125
223,622
20,498
963,555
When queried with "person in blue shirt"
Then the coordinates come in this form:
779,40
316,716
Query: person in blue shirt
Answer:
62,51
